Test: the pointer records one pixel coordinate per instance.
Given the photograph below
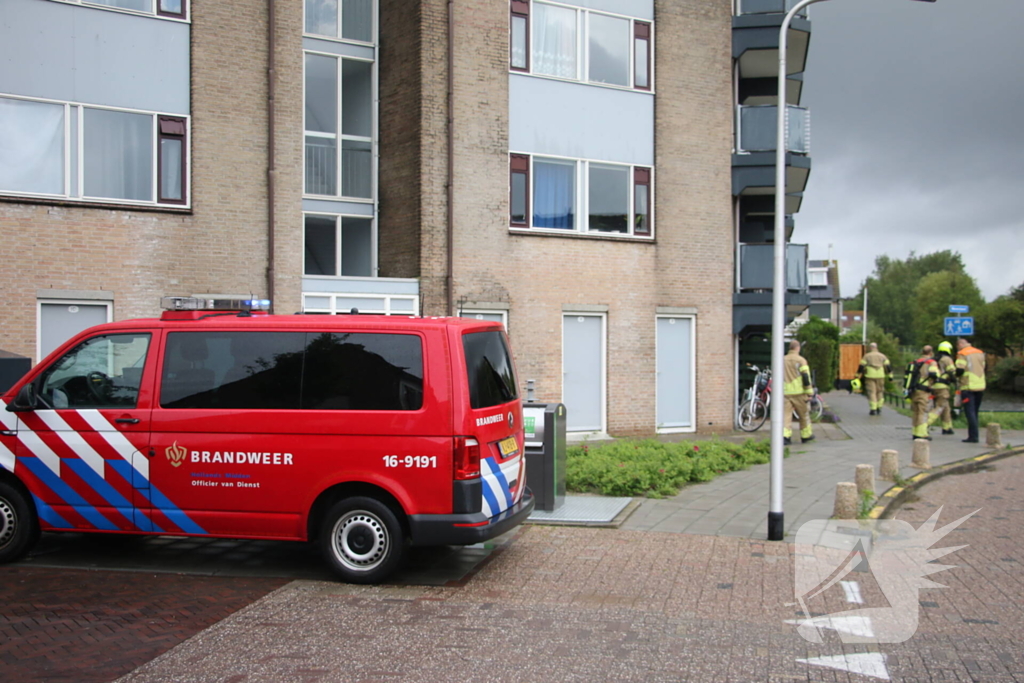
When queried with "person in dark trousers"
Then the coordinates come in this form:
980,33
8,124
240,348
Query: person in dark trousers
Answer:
970,368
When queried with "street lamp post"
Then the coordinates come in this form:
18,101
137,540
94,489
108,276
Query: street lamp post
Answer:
776,529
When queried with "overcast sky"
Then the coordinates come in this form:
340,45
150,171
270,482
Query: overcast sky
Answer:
917,136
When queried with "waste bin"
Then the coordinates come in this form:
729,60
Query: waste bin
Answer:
12,368
544,424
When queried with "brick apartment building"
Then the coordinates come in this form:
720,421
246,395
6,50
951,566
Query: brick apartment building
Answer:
591,172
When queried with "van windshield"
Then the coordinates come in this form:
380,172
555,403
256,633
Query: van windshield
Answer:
492,380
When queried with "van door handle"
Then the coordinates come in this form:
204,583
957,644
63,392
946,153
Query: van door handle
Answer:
7,432
127,420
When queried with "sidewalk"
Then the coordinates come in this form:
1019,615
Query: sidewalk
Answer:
736,504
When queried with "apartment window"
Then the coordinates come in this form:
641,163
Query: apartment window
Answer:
817,278
174,9
338,246
546,192
345,19
339,118
520,35
580,44
172,160
31,147
642,55
520,189
107,154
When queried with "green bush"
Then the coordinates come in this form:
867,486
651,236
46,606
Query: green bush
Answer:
653,468
1006,371
821,349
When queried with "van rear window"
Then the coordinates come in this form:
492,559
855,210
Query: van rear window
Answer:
292,371
492,381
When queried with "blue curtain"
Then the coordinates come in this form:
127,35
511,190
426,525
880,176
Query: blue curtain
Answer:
554,194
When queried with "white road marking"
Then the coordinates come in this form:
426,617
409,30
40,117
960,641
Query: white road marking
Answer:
865,663
852,590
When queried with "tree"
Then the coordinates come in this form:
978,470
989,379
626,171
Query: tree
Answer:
999,325
932,298
891,289
887,343
820,340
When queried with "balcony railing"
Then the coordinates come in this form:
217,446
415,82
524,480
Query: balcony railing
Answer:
758,129
757,267
769,7
322,167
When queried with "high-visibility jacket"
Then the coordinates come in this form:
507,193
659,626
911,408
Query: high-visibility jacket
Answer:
947,372
797,375
875,365
970,368
928,374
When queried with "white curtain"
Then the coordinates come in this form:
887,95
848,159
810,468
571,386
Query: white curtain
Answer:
554,40
118,155
31,147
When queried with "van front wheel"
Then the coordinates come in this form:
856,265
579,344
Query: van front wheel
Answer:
362,540
18,523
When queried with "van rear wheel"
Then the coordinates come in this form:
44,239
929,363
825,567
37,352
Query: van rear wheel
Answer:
362,540
18,523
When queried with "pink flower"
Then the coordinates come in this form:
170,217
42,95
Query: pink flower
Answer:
696,448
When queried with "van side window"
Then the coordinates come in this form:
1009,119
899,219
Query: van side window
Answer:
363,371
102,372
492,380
232,370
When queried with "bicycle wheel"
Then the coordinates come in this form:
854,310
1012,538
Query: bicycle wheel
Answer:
751,415
816,408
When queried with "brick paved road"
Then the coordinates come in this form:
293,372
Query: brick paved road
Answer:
571,604
84,626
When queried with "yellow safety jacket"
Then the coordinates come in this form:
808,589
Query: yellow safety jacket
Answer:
970,368
797,375
875,365
947,373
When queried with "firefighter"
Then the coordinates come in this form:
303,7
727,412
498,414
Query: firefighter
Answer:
942,386
874,370
797,391
925,373
970,369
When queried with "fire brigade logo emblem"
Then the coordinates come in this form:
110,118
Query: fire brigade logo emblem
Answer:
176,454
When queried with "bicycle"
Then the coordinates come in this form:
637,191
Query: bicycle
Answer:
753,409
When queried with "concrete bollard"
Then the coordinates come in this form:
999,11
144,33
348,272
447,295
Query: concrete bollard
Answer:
865,479
846,501
922,454
994,438
890,465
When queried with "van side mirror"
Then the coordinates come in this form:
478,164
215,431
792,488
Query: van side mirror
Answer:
25,400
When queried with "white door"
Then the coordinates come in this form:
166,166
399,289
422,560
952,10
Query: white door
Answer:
675,374
61,320
583,372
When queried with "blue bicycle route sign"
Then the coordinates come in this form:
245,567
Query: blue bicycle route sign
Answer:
958,327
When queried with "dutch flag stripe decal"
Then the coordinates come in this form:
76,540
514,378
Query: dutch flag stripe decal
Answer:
502,482
74,440
115,438
171,511
48,515
68,494
6,457
104,489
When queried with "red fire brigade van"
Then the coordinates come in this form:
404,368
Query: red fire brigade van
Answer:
366,433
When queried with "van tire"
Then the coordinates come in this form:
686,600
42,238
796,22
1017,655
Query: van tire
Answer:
362,540
19,527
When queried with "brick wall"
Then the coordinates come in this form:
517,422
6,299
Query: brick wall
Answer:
221,245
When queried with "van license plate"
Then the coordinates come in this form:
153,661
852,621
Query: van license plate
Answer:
508,446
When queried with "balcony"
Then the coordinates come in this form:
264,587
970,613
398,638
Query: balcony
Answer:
770,7
752,303
755,42
757,129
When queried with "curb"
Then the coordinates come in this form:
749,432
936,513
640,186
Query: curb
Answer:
889,501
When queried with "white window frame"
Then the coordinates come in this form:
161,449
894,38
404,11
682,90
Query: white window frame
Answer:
583,48
108,304
386,308
811,272
582,196
693,373
374,27
74,175
154,13
337,246
476,313
603,315
339,137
